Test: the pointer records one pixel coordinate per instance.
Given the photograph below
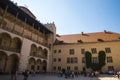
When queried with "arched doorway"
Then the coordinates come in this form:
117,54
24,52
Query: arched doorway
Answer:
38,65
12,63
31,65
44,65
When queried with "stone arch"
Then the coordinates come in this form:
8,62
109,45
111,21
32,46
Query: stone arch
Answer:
38,61
5,40
3,61
13,62
33,51
38,65
16,44
32,63
44,65
39,51
45,53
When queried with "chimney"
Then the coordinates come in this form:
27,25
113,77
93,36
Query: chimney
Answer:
82,33
105,31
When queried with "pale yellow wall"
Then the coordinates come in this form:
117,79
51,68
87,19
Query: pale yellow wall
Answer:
115,53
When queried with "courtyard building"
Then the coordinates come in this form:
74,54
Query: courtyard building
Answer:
69,51
26,43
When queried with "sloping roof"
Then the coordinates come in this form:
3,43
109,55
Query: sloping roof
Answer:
89,37
27,11
14,9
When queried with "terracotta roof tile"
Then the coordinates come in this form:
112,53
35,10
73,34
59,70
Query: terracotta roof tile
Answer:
89,37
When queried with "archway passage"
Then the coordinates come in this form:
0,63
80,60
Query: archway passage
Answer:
45,53
33,51
3,61
5,40
31,65
16,44
44,65
12,63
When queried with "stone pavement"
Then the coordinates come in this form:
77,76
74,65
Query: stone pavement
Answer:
55,77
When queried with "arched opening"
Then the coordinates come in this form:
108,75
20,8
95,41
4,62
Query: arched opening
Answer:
3,61
45,53
16,44
39,52
5,40
12,63
33,51
38,66
44,65
31,65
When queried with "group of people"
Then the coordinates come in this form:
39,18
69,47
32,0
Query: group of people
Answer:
68,74
72,74
26,73
93,74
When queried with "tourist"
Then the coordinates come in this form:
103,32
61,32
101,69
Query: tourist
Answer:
26,74
13,75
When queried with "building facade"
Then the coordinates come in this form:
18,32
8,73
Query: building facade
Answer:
69,50
25,43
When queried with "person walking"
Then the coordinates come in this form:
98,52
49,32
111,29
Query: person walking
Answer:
13,75
26,74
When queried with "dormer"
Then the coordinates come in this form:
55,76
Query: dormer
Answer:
100,40
79,41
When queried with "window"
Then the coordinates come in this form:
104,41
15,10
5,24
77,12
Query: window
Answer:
109,59
82,51
59,51
83,59
76,68
55,51
72,60
68,67
95,60
68,60
71,51
107,50
59,59
54,60
75,60
93,50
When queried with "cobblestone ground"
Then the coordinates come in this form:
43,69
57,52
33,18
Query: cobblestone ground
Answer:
55,77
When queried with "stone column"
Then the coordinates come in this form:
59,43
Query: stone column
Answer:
49,63
25,53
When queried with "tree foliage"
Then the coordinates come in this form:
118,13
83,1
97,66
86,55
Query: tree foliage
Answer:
88,59
95,66
101,57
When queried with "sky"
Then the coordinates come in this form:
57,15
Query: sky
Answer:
76,16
